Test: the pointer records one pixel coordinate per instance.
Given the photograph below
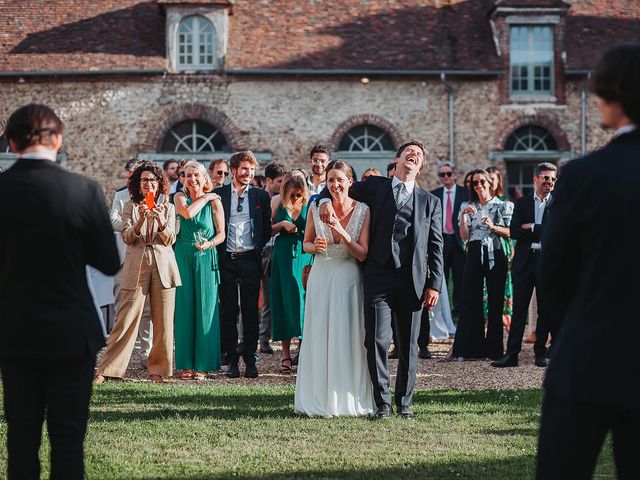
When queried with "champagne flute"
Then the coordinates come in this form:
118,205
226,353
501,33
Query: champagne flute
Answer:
200,239
323,234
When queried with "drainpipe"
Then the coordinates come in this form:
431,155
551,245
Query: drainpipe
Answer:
451,95
583,121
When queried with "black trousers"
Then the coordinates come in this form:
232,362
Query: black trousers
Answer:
470,338
244,272
572,434
425,330
454,260
524,282
389,297
59,389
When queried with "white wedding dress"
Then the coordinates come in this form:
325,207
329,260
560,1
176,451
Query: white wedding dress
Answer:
333,379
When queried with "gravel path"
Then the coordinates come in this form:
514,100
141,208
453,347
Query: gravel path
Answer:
467,375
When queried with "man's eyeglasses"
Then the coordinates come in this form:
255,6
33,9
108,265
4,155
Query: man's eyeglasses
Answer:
152,181
240,200
482,181
547,178
445,174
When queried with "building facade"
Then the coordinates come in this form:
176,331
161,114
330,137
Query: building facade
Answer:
481,82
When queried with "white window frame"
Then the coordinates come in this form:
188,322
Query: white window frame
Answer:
531,63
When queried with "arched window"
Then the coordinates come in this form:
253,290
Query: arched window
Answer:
366,138
194,136
531,138
196,46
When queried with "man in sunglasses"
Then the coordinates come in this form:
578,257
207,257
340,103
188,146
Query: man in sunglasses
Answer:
452,196
247,213
218,171
527,224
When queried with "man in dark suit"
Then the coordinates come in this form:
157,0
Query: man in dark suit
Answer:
247,213
451,196
589,257
527,225
49,327
403,271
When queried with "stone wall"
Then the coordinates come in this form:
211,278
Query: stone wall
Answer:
109,119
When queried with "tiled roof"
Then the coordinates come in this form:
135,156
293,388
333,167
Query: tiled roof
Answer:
81,35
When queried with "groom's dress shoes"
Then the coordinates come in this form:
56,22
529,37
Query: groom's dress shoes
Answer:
506,361
540,361
384,411
406,413
232,370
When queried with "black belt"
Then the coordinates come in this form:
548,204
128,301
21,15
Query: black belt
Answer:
235,255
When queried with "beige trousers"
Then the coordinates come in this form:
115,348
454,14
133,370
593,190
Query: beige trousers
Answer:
130,305
145,331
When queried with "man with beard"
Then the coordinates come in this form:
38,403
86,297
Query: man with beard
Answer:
247,214
319,158
527,224
170,168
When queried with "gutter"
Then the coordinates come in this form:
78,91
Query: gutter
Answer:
451,98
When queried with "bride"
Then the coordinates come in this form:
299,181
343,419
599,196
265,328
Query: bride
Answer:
333,379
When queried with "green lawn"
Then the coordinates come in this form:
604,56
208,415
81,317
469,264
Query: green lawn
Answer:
211,431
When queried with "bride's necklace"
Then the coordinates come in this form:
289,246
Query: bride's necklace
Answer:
346,213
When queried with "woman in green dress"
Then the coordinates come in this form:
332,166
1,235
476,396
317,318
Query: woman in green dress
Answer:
197,314
287,262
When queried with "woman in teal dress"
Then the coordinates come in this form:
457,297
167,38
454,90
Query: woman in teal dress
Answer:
287,262
197,314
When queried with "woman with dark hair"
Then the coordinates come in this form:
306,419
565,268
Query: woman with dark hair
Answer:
149,269
333,377
197,319
507,247
484,221
287,262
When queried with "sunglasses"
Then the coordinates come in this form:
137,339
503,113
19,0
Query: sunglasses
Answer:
222,172
240,200
296,196
482,182
445,174
547,178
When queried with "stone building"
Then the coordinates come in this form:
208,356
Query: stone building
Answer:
480,81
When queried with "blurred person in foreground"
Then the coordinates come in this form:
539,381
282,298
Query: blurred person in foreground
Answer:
49,327
590,247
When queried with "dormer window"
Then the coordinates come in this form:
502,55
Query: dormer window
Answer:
196,44
197,34
531,61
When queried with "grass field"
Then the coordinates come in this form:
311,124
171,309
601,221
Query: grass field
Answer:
141,430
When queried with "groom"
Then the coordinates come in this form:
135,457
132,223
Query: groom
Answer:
403,271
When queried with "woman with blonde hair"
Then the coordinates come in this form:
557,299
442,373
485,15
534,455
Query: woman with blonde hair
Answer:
197,317
149,269
287,262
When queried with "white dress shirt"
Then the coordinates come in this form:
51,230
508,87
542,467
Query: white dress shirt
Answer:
408,185
240,235
315,189
539,205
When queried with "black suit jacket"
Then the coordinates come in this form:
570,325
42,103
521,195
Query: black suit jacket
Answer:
54,223
462,195
427,265
590,259
260,211
524,212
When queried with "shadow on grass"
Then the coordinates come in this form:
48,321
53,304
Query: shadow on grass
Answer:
522,466
134,402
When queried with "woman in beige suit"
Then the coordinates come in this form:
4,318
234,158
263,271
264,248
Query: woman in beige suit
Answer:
149,269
